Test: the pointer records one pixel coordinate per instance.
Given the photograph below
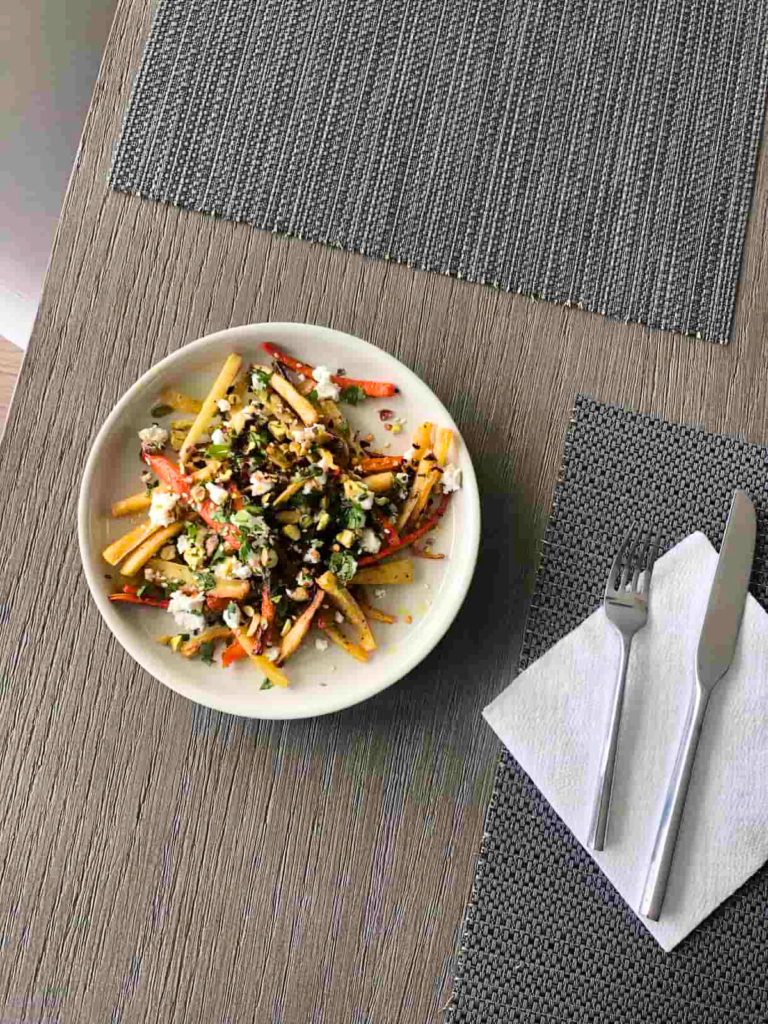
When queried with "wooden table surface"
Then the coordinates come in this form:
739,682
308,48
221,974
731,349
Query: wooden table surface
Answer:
165,862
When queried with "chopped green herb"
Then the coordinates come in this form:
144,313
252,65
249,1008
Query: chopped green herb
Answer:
142,590
266,684
185,637
220,516
206,652
355,517
259,380
151,486
205,580
353,395
312,396
161,410
191,531
220,452
343,566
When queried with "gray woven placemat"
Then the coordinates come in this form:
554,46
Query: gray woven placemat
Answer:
546,936
593,152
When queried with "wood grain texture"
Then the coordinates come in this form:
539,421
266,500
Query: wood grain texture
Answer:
10,364
165,862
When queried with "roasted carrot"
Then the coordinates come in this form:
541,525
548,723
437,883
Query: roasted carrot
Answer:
216,604
374,389
404,542
293,638
379,464
393,537
232,653
267,614
169,473
151,602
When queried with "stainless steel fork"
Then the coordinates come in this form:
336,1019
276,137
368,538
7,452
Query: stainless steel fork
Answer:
626,607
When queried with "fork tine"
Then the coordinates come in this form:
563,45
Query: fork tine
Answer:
653,555
613,575
631,556
642,562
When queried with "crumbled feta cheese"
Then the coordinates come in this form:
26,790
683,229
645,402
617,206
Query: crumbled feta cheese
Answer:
451,478
321,644
154,437
183,543
261,483
218,437
272,653
301,377
224,405
360,493
146,477
380,592
231,615
338,616
217,494
325,386
231,568
409,455
370,542
161,511
187,611
312,557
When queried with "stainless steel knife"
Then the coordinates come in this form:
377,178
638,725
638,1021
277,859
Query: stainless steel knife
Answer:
717,645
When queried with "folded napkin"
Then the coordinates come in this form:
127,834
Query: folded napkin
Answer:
553,717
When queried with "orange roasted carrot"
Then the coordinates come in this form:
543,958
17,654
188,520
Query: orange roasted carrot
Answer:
234,652
381,463
374,389
430,524
151,602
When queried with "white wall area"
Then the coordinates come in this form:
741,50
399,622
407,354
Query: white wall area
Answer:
50,52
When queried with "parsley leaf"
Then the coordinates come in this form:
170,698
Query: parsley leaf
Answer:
191,531
205,580
353,395
206,652
343,566
218,452
259,380
312,396
266,684
355,517
151,486
142,590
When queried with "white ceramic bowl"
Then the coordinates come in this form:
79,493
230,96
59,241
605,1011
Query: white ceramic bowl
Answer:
321,682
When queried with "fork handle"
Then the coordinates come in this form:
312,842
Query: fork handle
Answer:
599,822
672,811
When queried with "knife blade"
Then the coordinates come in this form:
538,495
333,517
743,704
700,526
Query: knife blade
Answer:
714,654
725,608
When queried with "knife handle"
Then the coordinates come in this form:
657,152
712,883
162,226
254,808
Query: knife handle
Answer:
672,811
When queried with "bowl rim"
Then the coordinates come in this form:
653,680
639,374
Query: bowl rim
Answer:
454,595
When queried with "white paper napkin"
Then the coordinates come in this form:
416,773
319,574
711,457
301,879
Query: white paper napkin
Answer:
553,717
